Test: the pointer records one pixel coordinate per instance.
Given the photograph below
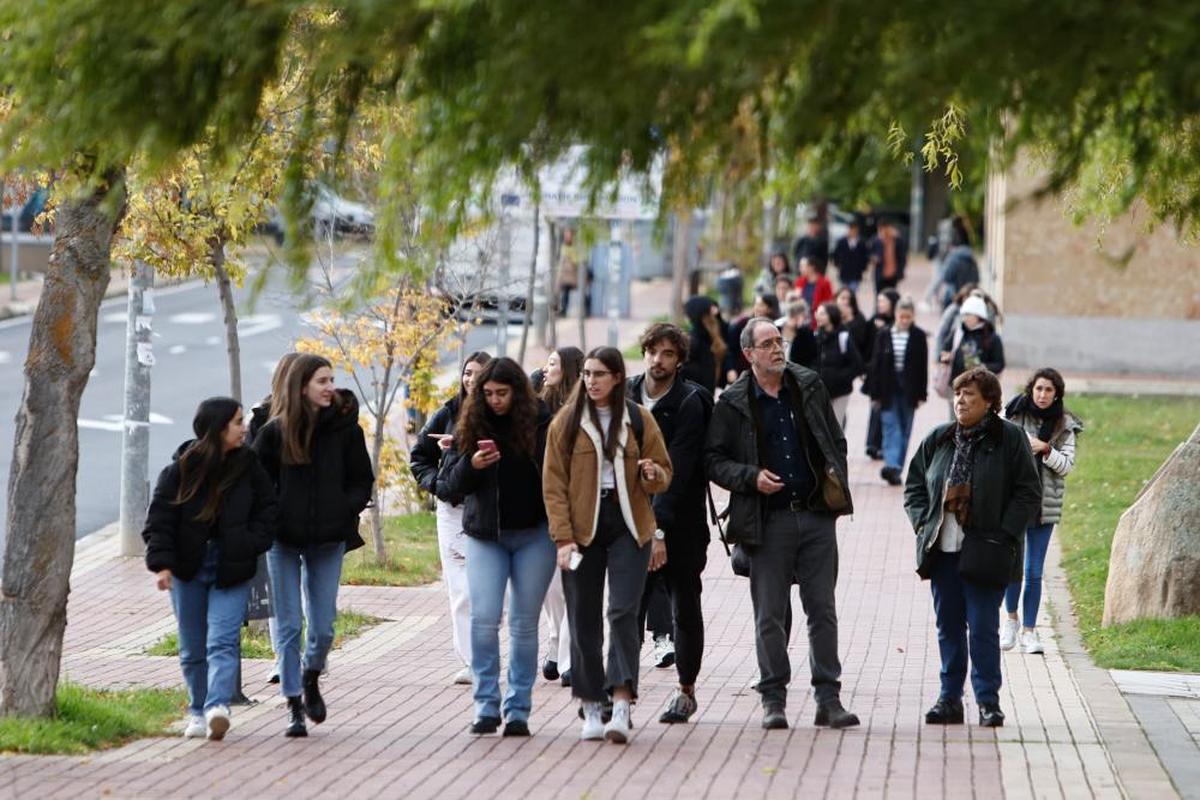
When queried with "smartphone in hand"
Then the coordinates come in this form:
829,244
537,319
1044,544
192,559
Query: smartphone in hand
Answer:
487,445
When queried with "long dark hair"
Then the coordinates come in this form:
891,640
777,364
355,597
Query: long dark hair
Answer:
277,377
833,312
570,362
297,419
476,420
853,301
612,359
481,357
1055,378
205,464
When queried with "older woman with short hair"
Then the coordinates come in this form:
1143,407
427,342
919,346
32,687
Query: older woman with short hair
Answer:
971,492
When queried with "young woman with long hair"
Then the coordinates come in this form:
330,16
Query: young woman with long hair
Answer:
425,461
316,455
602,466
213,512
496,467
561,377
838,362
260,413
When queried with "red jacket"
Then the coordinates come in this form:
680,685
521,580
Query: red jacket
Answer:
823,293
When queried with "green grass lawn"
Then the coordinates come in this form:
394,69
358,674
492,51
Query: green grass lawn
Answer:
255,644
89,719
1124,442
412,554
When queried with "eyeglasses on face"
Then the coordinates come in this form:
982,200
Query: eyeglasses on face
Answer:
769,345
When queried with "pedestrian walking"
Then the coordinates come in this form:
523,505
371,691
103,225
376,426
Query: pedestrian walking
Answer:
813,245
851,257
212,514
897,383
1052,431
972,490
682,411
775,444
839,362
496,466
814,287
776,268
425,462
862,332
710,362
316,455
562,376
889,255
976,343
885,316
605,458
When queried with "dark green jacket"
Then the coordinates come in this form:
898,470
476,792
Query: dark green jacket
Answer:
1005,490
734,455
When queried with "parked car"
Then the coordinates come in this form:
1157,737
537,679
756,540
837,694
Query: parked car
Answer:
331,215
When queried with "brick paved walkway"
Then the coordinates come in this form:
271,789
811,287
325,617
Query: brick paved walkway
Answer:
398,729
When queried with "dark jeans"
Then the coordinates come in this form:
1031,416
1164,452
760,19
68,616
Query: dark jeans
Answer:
875,431
801,546
655,614
968,621
680,577
616,553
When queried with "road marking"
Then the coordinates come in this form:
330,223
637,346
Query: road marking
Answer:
176,349
255,324
212,340
115,316
115,423
5,357
155,418
191,318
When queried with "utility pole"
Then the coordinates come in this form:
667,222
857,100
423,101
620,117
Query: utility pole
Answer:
135,434
614,282
503,294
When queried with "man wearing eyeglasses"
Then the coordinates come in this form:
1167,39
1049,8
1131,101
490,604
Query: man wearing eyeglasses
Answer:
775,445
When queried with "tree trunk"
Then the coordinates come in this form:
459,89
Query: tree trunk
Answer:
537,221
40,545
679,261
233,345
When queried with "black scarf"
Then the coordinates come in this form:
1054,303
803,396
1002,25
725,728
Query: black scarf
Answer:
1048,418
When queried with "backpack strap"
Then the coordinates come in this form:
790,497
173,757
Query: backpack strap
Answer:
634,412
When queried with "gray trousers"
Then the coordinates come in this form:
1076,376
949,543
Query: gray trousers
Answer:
798,547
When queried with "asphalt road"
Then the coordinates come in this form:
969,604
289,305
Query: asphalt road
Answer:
190,365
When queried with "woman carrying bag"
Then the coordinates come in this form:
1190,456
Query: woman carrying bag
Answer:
605,457
213,512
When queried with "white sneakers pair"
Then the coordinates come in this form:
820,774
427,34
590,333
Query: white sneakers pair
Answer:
1010,631
213,725
618,730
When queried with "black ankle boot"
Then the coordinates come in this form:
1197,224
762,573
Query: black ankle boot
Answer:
314,704
296,726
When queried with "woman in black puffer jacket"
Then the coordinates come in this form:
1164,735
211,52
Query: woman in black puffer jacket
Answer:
316,454
212,514
839,363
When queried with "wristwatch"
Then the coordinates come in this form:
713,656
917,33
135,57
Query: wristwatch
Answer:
659,535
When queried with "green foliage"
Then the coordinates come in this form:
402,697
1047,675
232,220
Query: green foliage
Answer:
91,719
347,625
1126,440
412,554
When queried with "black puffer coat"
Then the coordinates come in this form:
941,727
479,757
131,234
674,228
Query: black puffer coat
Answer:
244,528
320,501
425,459
839,362
702,366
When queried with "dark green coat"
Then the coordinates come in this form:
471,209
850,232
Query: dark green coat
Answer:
1005,490
732,458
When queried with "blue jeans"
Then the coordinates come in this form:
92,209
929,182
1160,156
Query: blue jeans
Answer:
897,421
210,620
526,558
1037,539
315,570
968,618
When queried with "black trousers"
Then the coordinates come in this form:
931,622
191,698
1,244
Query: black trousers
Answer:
613,552
656,615
875,431
680,577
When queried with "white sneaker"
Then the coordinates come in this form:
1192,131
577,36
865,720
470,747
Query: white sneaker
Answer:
1008,633
664,651
619,727
593,726
196,728
1031,643
464,677
217,718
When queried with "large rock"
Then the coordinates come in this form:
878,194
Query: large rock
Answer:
1154,567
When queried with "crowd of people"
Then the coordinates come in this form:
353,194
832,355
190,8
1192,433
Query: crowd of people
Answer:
581,495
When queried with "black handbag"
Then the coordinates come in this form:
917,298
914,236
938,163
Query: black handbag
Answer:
987,559
739,561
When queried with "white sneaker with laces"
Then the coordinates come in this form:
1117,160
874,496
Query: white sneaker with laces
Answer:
217,718
1008,633
593,726
619,727
1031,643
196,728
664,651
464,677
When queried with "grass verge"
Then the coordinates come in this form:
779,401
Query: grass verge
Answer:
412,554
90,719
1125,440
346,626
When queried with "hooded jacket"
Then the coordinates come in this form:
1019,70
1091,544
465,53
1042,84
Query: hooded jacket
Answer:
701,366
244,527
735,452
425,458
320,501
979,347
